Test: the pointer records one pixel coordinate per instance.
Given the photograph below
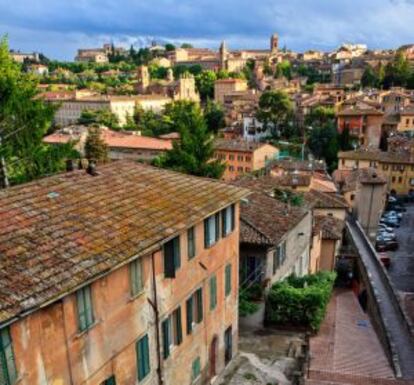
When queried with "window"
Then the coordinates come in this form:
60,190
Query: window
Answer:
172,333
85,310
211,230
227,280
393,179
194,308
172,260
231,168
228,220
248,158
240,169
247,169
109,381
195,369
213,292
143,359
191,246
240,158
228,345
135,275
385,167
279,256
8,373
400,179
412,181
231,157
352,197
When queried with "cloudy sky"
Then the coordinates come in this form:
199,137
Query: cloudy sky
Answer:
58,27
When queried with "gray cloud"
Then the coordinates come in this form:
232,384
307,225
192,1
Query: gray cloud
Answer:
58,27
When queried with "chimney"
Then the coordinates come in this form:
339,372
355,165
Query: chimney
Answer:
91,169
69,165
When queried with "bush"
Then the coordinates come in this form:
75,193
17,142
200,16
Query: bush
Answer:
300,301
246,306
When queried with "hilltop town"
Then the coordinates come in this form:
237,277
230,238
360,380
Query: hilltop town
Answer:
188,215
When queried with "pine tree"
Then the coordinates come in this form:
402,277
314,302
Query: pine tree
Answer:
95,148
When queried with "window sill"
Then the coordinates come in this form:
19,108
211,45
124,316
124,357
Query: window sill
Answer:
134,297
86,331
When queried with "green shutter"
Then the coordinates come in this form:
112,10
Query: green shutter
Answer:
199,295
195,368
88,306
135,270
177,257
178,326
223,222
84,307
213,292
8,374
166,338
110,381
206,233
233,217
189,311
143,359
228,280
191,243
169,263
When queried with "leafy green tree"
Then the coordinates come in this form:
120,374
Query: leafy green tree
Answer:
186,45
323,142
205,84
398,72
284,69
193,154
102,117
157,72
169,47
320,116
369,78
275,109
214,116
95,147
24,120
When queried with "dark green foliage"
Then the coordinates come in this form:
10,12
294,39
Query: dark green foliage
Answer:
186,45
300,301
205,84
288,196
246,305
95,148
169,47
193,153
24,120
102,117
214,116
275,110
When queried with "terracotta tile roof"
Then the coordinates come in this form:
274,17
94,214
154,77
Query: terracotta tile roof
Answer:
375,155
293,180
321,200
61,232
359,112
237,145
268,218
330,226
124,140
299,165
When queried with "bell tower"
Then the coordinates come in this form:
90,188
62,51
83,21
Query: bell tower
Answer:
274,43
223,55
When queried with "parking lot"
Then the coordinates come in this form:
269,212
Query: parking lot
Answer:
402,260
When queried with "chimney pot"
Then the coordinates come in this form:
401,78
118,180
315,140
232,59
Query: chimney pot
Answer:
91,169
69,165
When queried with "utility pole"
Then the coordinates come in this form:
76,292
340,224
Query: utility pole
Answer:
4,181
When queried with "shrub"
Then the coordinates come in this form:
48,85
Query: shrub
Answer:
300,301
246,306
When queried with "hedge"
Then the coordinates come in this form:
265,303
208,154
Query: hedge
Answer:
300,301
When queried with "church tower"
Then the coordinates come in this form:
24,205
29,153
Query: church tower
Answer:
224,53
143,79
274,43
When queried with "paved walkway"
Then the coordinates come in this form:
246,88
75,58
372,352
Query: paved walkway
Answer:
347,344
388,305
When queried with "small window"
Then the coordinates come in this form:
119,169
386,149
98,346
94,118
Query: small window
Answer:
231,157
352,197
393,179
213,292
240,158
172,260
400,179
227,280
231,168
247,169
85,310
228,220
109,381
228,345
385,167
279,256
143,358
191,244
240,169
211,230
196,369
8,374
135,275
194,308
172,333
248,158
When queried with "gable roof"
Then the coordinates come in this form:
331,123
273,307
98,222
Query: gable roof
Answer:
61,232
322,200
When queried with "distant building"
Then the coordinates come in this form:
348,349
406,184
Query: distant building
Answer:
243,157
223,87
127,275
121,144
39,69
21,57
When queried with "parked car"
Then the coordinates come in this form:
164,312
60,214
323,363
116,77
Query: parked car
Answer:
385,259
392,214
386,237
399,208
384,227
386,246
390,222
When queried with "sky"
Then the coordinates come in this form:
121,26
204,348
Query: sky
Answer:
59,27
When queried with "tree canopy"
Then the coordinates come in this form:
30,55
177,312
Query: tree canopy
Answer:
24,121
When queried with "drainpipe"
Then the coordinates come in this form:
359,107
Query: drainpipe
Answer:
66,344
157,321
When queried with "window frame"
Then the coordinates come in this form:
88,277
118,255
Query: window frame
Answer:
196,369
136,288
142,347
85,309
7,358
227,279
213,292
172,257
191,243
